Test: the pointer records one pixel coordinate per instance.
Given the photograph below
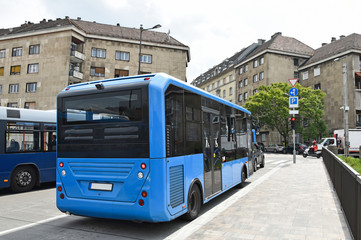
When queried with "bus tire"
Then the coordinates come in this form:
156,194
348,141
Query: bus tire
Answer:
242,184
194,203
23,179
262,163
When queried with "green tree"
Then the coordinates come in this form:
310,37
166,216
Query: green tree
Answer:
270,108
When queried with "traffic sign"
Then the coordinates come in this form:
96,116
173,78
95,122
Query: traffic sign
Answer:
293,81
293,92
293,112
293,101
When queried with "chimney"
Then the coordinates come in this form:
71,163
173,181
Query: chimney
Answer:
276,34
78,18
261,41
43,21
342,36
333,39
324,44
118,24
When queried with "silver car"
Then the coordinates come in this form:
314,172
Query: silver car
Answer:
273,148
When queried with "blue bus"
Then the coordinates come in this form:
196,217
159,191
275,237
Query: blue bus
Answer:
27,148
147,148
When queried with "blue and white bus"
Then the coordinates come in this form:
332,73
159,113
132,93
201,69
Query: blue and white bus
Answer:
27,148
147,148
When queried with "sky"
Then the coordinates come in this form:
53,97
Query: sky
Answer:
213,30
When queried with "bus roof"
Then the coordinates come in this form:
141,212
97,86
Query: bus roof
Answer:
157,80
21,114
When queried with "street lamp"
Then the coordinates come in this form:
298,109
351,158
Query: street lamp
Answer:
345,107
140,42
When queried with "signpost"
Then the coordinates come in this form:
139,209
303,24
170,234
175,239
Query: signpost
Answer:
293,103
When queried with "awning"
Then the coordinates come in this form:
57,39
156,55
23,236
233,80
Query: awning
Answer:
358,74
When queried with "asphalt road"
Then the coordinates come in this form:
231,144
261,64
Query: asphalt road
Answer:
33,215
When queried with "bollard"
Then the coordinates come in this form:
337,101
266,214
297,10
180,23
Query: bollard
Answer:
333,149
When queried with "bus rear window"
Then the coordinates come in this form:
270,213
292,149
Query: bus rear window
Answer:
114,106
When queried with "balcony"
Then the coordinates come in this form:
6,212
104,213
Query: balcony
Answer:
76,57
75,76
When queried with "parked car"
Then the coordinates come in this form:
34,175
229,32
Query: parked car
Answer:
300,148
273,148
258,155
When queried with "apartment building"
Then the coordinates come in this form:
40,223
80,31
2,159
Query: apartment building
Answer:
220,80
37,60
325,70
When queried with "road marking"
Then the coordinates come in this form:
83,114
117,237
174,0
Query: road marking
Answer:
190,228
31,225
278,162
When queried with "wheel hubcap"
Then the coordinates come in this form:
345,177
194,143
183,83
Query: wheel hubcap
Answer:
24,178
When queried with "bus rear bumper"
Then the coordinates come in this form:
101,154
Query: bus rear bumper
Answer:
112,210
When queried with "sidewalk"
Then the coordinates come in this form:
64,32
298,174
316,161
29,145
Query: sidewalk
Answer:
296,202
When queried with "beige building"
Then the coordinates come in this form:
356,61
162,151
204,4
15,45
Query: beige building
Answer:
275,60
324,70
39,60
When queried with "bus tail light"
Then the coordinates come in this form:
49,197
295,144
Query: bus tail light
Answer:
141,202
60,188
143,166
61,164
62,196
144,194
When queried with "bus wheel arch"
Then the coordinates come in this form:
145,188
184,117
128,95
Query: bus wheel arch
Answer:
195,200
24,178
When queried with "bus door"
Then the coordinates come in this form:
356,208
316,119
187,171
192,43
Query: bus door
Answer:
211,152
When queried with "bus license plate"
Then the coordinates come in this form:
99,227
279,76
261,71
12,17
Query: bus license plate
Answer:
101,186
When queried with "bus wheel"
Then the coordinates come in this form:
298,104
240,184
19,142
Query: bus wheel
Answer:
23,179
243,179
194,204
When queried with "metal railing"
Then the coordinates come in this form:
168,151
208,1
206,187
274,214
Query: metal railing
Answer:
347,183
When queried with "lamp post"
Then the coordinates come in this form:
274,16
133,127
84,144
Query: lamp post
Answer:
140,41
345,107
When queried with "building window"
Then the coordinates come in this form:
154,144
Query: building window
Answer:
98,52
15,70
13,88
31,87
12,104
245,96
224,93
255,63
240,83
246,68
1,89
230,91
305,75
213,86
123,56
255,78
30,105
240,70
97,71
145,58
317,86
295,61
34,49
261,76
121,73
218,83
18,51
261,61
295,74
33,68
209,88
2,53
1,71
254,91
240,97
246,82
317,72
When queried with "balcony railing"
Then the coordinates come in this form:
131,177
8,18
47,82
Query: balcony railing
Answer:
76,56
76,74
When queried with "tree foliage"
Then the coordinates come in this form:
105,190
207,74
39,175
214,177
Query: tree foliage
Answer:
270,108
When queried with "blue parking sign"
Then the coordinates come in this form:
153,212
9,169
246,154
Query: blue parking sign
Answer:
293,101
